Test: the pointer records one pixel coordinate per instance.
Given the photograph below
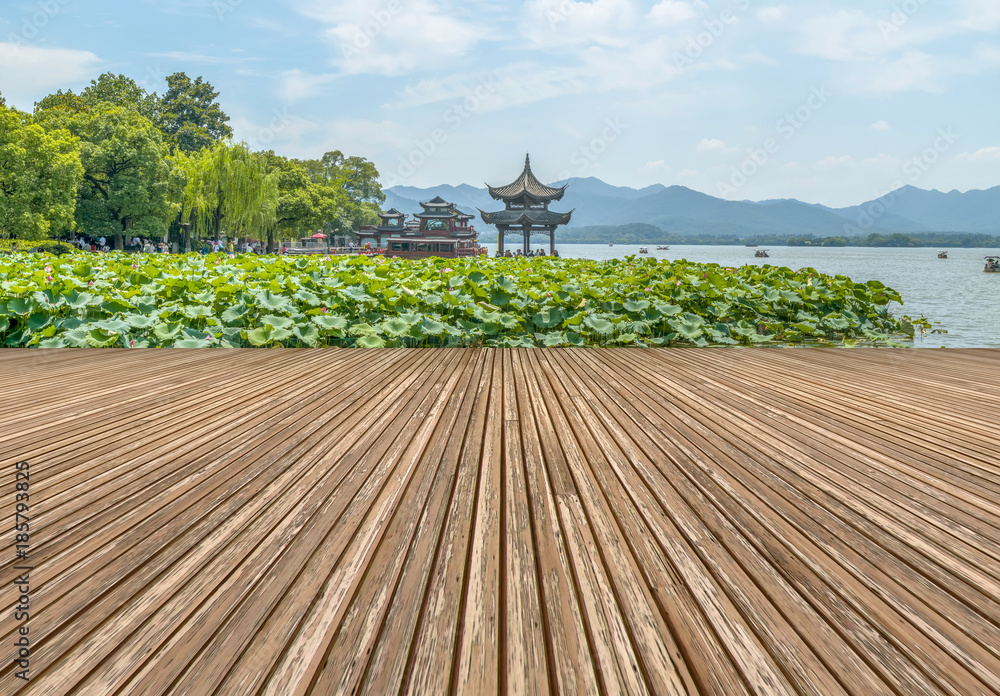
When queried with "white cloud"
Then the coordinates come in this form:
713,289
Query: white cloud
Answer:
880,126
296,85
668,12
656,166
31,72
714,145
371,37
986,154
773,13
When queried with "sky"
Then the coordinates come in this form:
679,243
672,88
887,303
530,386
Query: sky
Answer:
828,102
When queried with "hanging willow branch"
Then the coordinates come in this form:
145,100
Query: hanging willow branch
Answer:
229,189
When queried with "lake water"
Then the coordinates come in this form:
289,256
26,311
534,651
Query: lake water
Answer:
953,292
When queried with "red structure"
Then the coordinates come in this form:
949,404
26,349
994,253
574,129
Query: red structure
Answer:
440,230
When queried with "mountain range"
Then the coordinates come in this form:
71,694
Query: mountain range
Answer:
680,210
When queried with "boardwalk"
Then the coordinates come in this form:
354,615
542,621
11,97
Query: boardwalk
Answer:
482,521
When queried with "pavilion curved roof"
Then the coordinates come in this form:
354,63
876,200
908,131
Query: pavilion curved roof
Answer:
527,184
526,217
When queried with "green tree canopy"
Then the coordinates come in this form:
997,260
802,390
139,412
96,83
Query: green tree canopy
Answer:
353,182
228,189
39,175
122,91
190,114
62,101
125,181
303,205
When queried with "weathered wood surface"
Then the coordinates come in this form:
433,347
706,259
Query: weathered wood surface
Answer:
484,521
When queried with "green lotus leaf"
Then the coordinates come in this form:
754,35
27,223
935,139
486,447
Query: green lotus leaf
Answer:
167,332
599,324
330,322
273,302
21,305
370,342
278,322
308,298
139,321
196,311
396,327
636,305
101,338
308,334
430,327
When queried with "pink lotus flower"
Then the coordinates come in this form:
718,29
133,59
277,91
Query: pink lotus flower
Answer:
322,310
48,278
678,283
91,282
135,267
48,269
131,343
649,289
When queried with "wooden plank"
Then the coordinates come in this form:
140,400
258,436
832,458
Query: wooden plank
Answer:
507,521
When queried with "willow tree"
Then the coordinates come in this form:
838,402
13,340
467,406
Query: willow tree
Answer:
229,188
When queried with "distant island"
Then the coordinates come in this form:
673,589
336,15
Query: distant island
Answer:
660,214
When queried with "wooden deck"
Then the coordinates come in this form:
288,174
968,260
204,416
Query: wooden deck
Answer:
770,521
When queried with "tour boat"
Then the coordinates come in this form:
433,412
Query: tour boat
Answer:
611,243
643,250
992,264
663,248
761,254
942,254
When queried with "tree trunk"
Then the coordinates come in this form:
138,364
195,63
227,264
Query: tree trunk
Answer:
119,241
187,240
270,242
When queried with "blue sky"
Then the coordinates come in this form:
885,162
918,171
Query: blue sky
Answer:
829,102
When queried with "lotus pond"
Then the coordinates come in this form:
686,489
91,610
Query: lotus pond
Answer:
194,301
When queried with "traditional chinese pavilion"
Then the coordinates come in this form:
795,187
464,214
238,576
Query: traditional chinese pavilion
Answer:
440,230
527,212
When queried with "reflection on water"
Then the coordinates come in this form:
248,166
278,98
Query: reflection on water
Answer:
954,291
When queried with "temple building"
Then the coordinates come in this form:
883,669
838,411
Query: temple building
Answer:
527,210
440,230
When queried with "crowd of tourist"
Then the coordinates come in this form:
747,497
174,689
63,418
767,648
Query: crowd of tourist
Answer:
507,254
140,245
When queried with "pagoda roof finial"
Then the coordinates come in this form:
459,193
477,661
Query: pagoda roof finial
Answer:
527,184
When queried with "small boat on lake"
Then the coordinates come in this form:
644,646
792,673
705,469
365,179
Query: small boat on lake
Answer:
611,243
992,264
761,254
665,247
643,250
943,254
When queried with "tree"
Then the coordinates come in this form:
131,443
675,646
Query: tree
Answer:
62,101
353,178
122,91
190,115
229,186
126,175
39,176
303,205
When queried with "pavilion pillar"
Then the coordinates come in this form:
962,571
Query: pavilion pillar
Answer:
552,241
527,239
500,231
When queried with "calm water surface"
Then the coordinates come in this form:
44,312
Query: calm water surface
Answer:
953,292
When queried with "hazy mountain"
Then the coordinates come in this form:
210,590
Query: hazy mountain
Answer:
677,209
